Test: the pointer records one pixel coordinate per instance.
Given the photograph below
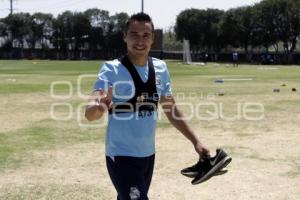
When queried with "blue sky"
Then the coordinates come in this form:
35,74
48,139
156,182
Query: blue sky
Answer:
163,12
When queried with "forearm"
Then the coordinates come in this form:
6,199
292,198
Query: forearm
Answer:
176,118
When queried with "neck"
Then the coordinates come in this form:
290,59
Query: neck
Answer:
138,60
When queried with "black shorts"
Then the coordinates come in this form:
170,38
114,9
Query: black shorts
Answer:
131,176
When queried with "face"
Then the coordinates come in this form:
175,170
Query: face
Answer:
139,38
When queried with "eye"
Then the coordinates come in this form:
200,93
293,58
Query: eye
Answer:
133,35
147,36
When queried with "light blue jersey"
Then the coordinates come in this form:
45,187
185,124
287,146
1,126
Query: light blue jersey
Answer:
131,134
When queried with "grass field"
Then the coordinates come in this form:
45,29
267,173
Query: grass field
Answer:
42,158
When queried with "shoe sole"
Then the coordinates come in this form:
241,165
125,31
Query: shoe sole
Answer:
194,174
220,165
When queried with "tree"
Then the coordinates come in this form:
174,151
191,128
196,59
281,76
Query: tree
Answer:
169,41
19,27
239,27
80,29
188,27
41,28
3,28
264,33
115,33
98,18
212,38
99,22
4,33
281,17
201,28
62,31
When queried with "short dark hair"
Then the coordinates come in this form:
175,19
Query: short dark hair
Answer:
141,17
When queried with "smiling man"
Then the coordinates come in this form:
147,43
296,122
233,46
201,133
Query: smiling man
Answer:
129,89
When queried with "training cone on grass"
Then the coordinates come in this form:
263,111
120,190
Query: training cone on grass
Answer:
221,93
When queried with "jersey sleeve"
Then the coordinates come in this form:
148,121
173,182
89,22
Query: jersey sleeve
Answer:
167,89
105,77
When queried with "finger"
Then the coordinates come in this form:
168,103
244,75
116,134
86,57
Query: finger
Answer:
101,93
206,153
205,150
205,156
109,93
108,103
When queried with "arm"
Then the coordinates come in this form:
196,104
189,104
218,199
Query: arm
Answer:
175,116
99,101
95,108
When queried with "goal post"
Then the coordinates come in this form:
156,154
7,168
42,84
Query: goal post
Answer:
186,52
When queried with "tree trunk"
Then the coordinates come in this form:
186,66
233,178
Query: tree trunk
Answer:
289,49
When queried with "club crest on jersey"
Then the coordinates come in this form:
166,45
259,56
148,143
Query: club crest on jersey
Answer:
140,99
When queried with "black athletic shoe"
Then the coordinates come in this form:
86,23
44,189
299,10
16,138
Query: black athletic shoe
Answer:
193,171
210,166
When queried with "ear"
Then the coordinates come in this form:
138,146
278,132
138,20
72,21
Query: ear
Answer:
124,36
153,37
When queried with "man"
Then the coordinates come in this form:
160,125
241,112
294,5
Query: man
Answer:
129,90
235,58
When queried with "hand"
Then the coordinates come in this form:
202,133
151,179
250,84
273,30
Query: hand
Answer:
105,101
202,150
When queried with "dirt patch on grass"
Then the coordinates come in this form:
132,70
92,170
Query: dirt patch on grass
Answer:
265,166
20,110
265,154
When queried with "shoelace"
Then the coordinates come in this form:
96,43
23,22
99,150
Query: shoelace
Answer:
202,164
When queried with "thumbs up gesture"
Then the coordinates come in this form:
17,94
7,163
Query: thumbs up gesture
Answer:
105,101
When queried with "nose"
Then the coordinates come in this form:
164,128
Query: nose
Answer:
140,39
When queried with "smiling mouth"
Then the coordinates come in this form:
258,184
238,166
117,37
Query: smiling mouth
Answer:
139,48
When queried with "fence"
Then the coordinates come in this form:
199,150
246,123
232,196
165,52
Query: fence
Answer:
255,58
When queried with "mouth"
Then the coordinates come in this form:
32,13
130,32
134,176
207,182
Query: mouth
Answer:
139,48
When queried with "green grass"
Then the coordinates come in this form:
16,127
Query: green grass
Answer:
27,127
295,169
46,134
46,67
53,191
30,81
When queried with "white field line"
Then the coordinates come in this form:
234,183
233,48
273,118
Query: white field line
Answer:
267,68
237,79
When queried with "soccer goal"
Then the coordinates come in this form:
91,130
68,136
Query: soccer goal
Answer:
187,52
187,58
